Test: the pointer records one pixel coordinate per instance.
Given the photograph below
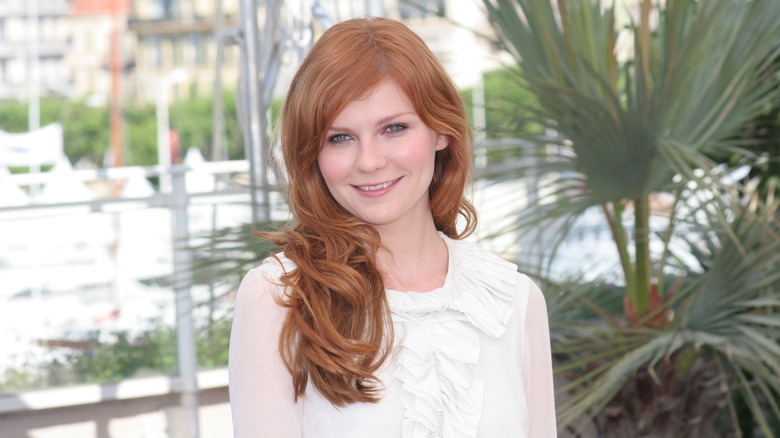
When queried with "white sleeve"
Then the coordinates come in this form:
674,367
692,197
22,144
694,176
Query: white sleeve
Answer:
261,393
538,368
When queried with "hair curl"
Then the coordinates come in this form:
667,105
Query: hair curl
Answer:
337,332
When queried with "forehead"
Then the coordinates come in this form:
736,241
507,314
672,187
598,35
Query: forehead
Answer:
379,101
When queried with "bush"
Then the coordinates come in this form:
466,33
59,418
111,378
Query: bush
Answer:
87,128
112,356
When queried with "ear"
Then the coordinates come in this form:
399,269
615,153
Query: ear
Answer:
442,141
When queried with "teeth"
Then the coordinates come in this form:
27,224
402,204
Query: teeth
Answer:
379,186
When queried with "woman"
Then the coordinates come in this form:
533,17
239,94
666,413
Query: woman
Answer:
376,319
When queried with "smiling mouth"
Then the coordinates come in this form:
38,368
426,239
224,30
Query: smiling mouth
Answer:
378,186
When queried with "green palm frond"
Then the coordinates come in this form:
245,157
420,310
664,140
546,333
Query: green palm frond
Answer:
224,255
728,313
642,106
697,81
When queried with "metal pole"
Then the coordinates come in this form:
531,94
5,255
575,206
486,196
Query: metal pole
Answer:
116,88
253,130
272,49
33,82
480,121
186,425
116,139
217,111
163,133
34,68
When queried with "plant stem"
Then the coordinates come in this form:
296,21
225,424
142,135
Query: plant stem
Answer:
643,41
642,254
615,219
667,237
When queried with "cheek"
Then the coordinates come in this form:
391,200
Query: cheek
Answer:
331,168
420,154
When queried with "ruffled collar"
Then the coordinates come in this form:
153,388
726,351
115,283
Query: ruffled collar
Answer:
437,336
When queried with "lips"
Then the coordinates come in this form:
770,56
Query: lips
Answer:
382,186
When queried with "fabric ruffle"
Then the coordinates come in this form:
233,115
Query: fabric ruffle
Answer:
438,341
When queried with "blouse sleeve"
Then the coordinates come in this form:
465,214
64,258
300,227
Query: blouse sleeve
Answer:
261,393
538,368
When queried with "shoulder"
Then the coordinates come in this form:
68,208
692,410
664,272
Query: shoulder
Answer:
264,280
487,267
470,254
536,300
529,299
472,260
271,268
484,286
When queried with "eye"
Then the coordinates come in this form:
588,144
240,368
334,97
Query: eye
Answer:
338,138
396,128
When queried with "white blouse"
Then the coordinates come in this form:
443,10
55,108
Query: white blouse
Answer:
471,359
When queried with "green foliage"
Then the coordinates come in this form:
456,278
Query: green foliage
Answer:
706,359
224,255
124,355
213,342
14,118
507,104
696,356
86,134
14,115
140,140
762,138
27,376
508,112
112,356
87,129
193,120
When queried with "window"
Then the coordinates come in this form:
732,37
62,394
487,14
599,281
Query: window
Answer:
155,51
161,9
3,73
198,49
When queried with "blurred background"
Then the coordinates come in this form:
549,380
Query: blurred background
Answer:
626,156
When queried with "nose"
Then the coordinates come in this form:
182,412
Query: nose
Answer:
370,157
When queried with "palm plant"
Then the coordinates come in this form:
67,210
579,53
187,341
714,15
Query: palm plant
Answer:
694,351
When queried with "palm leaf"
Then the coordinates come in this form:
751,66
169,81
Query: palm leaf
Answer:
629,126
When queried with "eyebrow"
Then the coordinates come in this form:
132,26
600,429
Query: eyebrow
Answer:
380,122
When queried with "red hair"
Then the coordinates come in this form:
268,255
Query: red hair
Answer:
338,332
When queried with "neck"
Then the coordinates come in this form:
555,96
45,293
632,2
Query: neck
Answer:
413,259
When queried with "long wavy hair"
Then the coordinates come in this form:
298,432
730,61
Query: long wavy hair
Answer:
338,332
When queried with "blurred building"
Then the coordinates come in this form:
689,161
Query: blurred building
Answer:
457,32
60,47
34,42
99,52
87,48
181,35
171,35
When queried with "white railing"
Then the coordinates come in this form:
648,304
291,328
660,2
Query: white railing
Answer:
178,202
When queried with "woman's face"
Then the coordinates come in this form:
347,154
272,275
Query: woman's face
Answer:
377,159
